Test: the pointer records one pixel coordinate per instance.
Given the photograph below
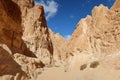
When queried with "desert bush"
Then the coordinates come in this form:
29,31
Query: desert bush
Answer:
94,64
82,67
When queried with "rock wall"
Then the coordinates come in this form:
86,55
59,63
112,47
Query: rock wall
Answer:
27,45
24,39
11,29
60,53
116,5
98,33
36,34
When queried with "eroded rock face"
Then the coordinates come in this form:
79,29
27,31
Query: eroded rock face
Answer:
116,5
27,45
32,67
98,33
35,30
18,66
79,37
24,33
19,18
36,34
9,68
11,29
60,53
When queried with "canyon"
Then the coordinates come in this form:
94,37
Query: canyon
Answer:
30,50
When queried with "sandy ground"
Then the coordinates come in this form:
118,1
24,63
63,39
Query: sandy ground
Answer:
99,73
74,72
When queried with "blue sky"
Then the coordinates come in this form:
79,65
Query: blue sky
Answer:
63,15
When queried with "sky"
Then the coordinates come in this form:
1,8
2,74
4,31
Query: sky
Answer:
62,16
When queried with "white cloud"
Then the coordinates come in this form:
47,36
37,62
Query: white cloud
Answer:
67,37
50,7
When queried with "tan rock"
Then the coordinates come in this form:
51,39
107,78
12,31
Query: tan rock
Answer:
23,19
116,5
11,29
9,68
79,36
27,46
24,34
36,34
31,66
60,53
98,33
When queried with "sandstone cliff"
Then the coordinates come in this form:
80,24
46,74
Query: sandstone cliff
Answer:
36,34
28,46
116,5
60,53
24,39
98,33
97,38
10,27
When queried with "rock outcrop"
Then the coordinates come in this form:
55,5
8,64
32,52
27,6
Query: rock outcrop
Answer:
24,38
98,33
116,5
36,34
60,53
9,68
27,45
10,27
